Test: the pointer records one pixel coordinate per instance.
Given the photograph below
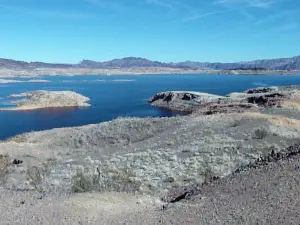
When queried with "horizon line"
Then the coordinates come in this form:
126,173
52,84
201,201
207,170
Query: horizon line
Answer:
152,60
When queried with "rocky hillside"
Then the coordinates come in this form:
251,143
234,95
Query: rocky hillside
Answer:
126,63
270,64
13,64
130,62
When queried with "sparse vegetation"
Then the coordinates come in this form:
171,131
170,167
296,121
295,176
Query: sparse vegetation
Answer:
5,163
122,181
261,133
235,123
19,138
35,176
109,180
209,176
81,182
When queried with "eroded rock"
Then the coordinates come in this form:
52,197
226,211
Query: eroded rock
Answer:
263,97
183,101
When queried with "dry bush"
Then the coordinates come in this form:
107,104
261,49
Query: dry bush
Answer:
19,138
107,180
209,176
35,175
5,163
261,133
235,123
121,181
81,182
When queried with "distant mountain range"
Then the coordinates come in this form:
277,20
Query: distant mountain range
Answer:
129,62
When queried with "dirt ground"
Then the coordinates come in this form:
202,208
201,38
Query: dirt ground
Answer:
268,194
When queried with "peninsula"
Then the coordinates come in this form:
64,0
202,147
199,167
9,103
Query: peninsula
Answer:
268,97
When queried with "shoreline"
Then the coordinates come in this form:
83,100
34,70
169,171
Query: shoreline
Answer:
30,108
44,72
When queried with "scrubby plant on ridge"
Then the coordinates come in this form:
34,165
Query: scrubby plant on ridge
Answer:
81,182
119,180
261,133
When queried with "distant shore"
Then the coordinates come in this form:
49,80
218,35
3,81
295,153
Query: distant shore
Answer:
36,72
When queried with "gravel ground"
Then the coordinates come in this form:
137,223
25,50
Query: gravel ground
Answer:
268,194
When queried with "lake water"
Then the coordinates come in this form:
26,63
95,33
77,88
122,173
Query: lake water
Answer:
118,96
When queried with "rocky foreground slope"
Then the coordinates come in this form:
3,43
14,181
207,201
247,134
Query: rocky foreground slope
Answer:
46,99
161,162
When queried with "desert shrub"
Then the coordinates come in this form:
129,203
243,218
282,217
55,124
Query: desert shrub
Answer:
235,123
19,138
36,173
5,163
261,133
81,182
209,176
121,180
106,180
35,176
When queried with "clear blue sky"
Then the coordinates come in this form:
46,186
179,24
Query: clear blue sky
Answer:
165,30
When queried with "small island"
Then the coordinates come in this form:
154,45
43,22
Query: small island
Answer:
46,99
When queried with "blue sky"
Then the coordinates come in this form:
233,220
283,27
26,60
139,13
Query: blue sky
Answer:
165,30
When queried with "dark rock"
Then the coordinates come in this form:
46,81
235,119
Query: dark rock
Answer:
261,90
185,102
213,108
169,180
268,100
17,161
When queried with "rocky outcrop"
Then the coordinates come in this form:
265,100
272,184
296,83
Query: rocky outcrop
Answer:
261,90
47,99
214,108
253,99
183,101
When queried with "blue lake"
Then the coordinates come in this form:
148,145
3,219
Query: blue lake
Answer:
118,96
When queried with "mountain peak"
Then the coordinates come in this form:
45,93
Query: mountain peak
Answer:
292,63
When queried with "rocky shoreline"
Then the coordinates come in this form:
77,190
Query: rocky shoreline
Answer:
192,102
38,72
